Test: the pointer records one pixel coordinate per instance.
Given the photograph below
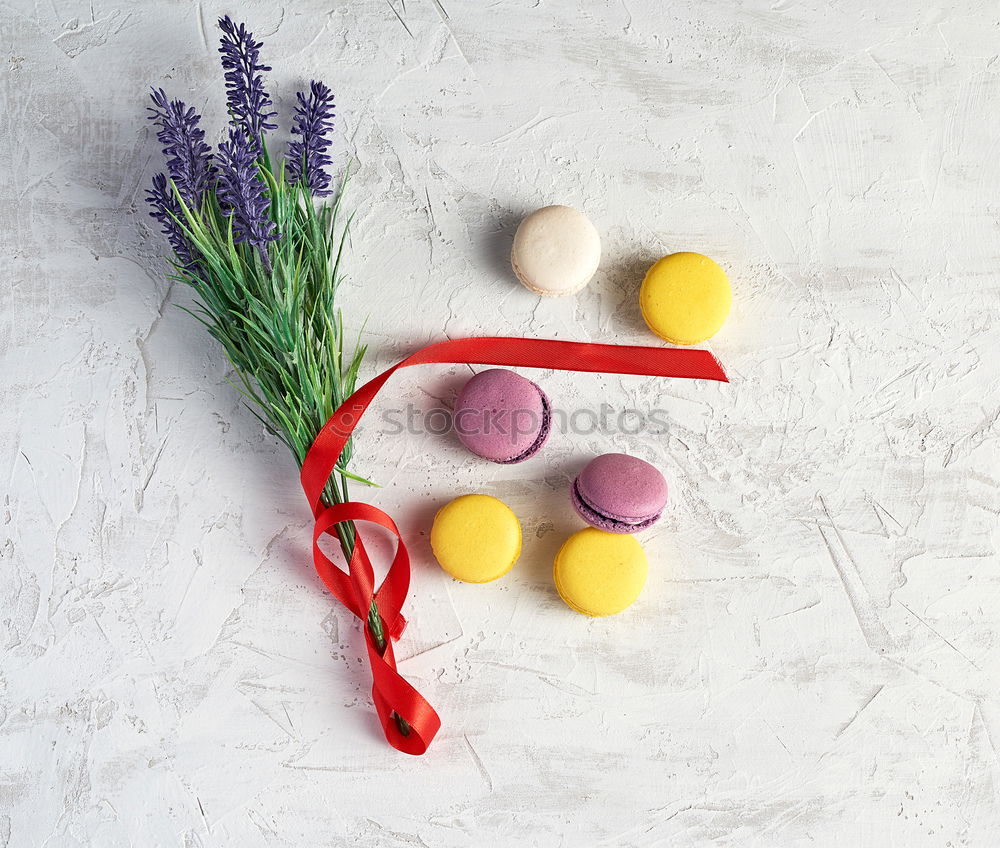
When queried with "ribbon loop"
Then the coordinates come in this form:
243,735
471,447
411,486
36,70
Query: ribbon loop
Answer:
355,588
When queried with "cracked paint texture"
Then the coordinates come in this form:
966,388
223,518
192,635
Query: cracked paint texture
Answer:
816,657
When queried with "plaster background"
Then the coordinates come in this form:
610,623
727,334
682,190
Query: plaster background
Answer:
815,658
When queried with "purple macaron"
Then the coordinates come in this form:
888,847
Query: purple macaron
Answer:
619,493
502,416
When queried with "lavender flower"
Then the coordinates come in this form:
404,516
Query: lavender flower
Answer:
189,159
242,194
246,96
307,158
166,210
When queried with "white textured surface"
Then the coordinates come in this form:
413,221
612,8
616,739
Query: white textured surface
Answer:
815,660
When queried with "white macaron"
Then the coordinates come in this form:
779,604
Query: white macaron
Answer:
556,251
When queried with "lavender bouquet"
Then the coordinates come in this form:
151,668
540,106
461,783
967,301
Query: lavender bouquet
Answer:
263,257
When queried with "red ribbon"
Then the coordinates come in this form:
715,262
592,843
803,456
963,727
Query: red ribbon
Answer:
356,587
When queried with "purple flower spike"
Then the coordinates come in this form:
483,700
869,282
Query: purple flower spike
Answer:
189,159
307,157
167,211
242,194
246,96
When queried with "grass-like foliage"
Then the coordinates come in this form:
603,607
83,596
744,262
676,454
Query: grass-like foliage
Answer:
281,328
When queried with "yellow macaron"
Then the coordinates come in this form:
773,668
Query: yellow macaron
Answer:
685,298
476,538
599,573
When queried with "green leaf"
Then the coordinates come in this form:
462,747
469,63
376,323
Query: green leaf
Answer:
350,476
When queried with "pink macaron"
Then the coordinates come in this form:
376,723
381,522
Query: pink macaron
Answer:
502,416
619,493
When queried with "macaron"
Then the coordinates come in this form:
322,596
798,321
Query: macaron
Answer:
476,538
685,298
598,573
556,251
502,416
619,493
